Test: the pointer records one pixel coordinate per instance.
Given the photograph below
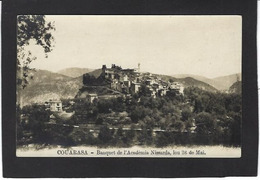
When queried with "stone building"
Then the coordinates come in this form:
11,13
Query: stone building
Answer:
54,105
91,97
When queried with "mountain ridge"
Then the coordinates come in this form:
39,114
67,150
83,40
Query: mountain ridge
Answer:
221,83
47,85
74,71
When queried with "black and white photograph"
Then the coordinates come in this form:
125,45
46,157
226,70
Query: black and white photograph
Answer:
129,86
129,89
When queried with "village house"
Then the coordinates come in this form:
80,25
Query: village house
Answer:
177,87
135,87
91,97
54,105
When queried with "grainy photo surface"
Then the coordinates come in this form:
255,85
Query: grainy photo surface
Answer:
129,86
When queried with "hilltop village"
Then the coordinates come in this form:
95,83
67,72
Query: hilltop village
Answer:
127,107
126,82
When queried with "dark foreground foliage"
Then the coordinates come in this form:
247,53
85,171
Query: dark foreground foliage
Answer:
197,118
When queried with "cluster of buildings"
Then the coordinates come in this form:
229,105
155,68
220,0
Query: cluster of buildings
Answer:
129,81
126,82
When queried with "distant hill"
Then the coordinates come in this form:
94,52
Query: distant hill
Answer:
220,83
226,81
189,81
74,72
40,76
46,85
200,78
236,87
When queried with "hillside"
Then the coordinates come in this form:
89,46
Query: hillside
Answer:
227,81
220,83
41,76
236,87
46,85
189,81
74,72
99,90
200,78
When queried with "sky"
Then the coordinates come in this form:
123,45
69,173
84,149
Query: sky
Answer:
209,46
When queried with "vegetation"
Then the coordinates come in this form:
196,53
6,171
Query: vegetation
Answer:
198,117
31,29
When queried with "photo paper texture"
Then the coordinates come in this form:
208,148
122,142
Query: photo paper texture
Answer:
148,86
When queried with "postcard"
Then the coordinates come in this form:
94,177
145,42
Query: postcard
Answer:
143,86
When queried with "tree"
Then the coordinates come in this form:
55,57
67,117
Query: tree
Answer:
137,114
37,117
207,130
171,80
179,125
198,106
144,91
105,135
31,28
147,123
81,136
129,136
145,137
162,140
205,123
104,106
235,128
186,114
